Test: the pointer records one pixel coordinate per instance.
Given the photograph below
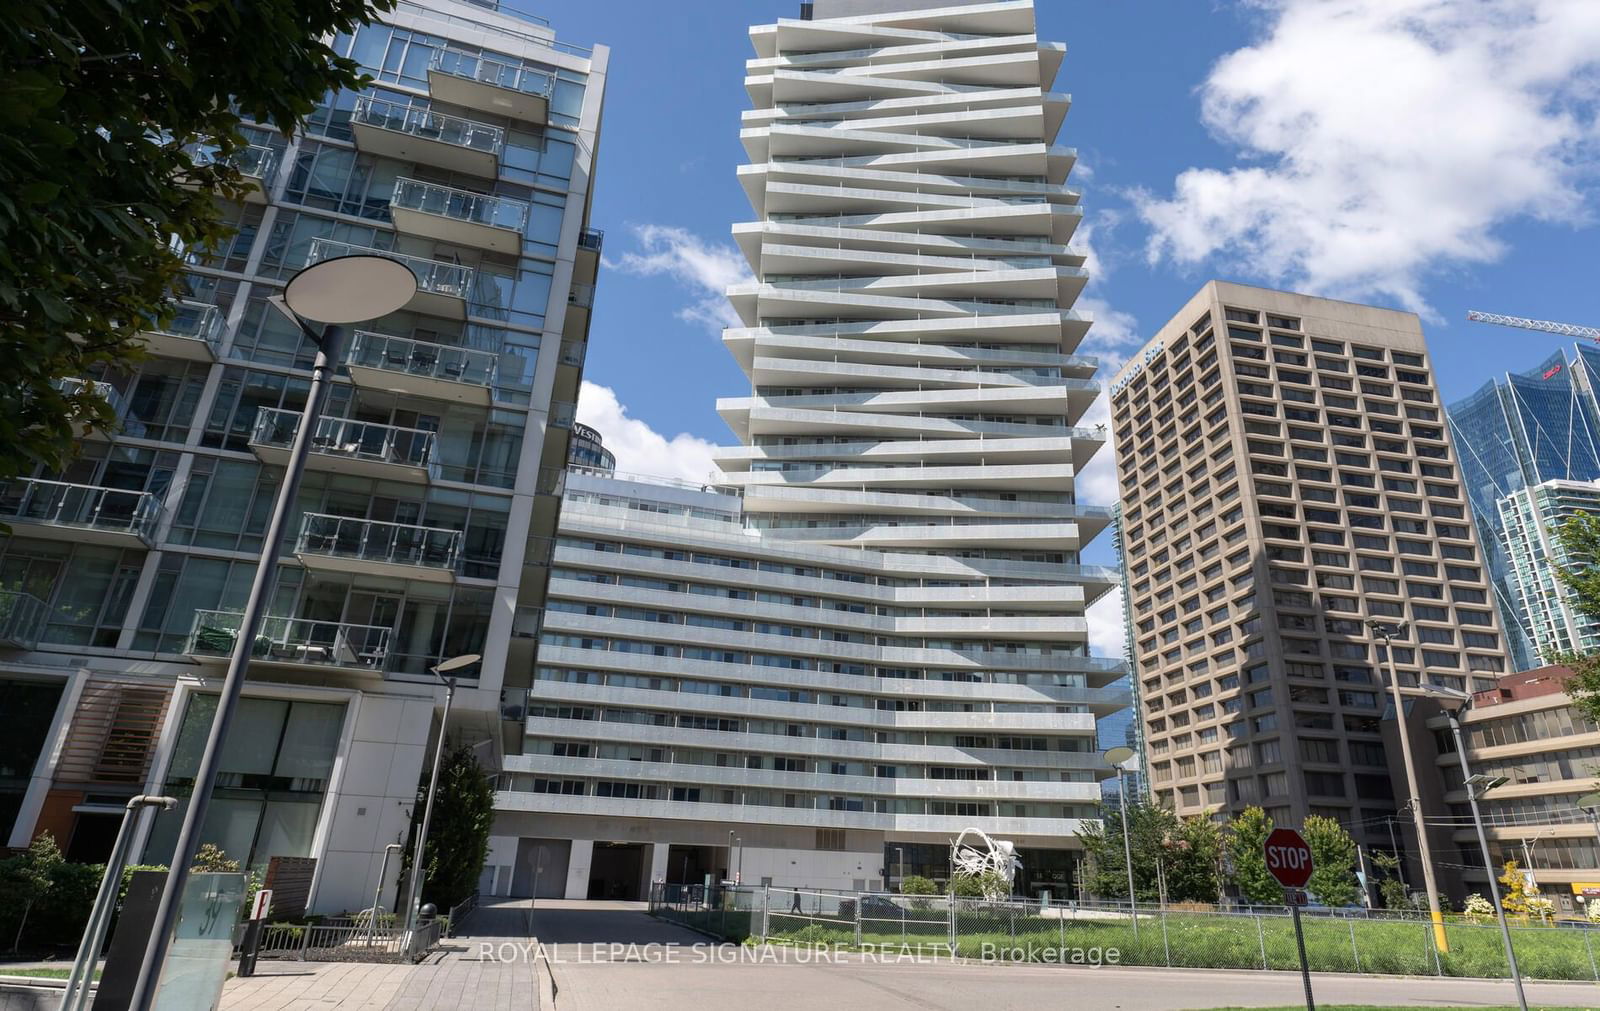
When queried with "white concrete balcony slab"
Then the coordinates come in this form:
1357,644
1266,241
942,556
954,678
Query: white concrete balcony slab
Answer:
413,368
72,386
412,134
291,642
194,333
87,514
256,162
442,287
491,85
461,217
374,548
347,446
22,617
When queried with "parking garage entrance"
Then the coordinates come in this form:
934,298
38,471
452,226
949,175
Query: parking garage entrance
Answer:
617,870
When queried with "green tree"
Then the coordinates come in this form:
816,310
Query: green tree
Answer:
1391,889
458,837
1333,861
1247,840
916,884
1514,898
29,877
1580,537
106,107
1190,858
1149,827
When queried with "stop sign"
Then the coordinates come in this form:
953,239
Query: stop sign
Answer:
1288,858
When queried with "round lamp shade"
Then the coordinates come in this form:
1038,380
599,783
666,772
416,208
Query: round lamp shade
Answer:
1116,756
350,289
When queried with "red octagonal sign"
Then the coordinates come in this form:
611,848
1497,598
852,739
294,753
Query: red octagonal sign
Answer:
1288,858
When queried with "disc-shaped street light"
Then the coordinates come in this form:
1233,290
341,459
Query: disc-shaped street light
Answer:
441,671
333,292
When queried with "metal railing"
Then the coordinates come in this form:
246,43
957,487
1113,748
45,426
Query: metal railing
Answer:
435,277
293,640
409,357
253,161
377,541
591,238
426,124
511,76
581,295
349,439
71,386
1186,936
21,619
84,506
196,320
459,205
349,939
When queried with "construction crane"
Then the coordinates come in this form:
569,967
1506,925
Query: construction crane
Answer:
1564,329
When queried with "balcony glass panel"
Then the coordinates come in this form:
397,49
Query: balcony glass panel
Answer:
433,276
375,541
343,437
83,506
592,238
196,320
460,205
420,358
581,295
428,125
498,73
72,385
21,618
293,641
255,161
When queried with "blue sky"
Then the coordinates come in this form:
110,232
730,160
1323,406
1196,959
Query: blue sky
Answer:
1436,155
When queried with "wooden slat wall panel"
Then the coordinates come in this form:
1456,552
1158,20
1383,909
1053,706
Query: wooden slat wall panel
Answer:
113,733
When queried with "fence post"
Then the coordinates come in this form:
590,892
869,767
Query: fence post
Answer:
952,900
766,910
1588,946
1061,922
1354,950
1261,938
1438,968
1166,948
858,905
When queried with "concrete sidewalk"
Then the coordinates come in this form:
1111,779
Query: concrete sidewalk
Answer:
454,977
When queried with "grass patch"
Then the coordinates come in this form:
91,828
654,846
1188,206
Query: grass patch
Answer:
42,973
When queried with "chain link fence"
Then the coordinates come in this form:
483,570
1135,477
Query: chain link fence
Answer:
1035,931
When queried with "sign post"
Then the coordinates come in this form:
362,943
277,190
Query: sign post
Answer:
252,931
1289,862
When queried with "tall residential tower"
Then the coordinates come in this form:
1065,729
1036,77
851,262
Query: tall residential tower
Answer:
870,634
1287,475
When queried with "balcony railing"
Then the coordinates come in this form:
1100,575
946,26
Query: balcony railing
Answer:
581,295
255,161
591,238
426,124
293,641
499,74
366,441
195,320
419,358
460,205
563,413
72,386
436,277
80,507
21,619
376,541
573,353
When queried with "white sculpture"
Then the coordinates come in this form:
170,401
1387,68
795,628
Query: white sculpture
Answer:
981,855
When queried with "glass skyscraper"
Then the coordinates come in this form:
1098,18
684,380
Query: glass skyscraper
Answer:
1520,431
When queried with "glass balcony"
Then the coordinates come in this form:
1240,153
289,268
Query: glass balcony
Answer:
345,446
21,619
71,386
573,353
463,217
89,514
419,369
291,642
479,82
413,134
442,287
256,162
581,295
563,413
591,238
374,548
193,334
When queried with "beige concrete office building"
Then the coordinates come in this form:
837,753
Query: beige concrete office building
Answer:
1286,474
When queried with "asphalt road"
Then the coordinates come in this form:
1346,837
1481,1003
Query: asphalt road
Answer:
610,956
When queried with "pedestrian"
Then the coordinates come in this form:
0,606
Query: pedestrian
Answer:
796,907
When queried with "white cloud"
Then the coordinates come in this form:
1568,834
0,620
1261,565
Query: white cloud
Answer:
639,448
1107,631
1386,139
705,268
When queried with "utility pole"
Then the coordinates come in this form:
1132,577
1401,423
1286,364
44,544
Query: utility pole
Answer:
1387,632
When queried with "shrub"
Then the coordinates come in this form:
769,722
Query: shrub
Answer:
916,884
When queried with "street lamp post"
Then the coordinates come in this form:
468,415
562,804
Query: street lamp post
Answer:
1116,757
94,932
900,856
335,292
1387,632
738,875
1475,785
730,853
414,885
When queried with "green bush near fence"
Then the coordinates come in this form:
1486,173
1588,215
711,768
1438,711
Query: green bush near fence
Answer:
1201,941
